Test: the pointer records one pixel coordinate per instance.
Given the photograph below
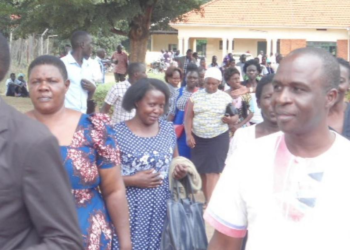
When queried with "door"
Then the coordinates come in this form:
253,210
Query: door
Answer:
262,47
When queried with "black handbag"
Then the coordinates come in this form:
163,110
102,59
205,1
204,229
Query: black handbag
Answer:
184,227
231,110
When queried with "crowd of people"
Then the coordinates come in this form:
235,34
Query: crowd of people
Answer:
270,150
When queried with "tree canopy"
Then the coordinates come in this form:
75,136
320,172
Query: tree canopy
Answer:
131,18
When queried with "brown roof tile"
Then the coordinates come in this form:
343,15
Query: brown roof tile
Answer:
272,13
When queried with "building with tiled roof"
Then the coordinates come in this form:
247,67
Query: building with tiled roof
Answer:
272,26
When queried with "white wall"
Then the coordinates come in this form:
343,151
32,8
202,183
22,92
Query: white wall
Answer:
261,33
162,41
247,38
240,45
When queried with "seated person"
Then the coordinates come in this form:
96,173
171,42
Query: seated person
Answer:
21,89
11,85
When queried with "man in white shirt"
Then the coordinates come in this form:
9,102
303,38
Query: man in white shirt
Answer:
80,72
260,56
96,73
136,71
11,84
103,64
295,192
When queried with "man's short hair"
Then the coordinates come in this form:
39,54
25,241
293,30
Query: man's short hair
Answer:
344,63
330,65
4,56
78,37
134,68
49,60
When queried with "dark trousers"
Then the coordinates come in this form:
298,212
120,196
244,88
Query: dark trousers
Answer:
11,90
21,91
119,77
15,90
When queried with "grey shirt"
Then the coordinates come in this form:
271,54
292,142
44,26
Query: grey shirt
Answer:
37,210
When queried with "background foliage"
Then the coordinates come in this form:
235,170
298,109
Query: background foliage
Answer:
102,18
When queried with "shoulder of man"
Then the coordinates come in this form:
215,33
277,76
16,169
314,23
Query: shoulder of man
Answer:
342,144
225,94
27,130
119,87
258,154
64,59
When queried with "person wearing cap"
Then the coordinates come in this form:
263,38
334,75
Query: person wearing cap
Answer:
269,67
207,129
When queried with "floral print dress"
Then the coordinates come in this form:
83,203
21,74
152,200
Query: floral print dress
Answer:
147,206
93,147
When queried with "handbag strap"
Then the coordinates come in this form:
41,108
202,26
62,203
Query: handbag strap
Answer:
187,183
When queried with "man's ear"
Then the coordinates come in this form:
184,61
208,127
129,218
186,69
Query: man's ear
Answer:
331,98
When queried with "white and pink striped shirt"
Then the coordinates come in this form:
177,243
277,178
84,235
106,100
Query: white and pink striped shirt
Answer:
286,202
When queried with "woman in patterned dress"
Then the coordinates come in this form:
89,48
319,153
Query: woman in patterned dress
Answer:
177,114
89,153
147,145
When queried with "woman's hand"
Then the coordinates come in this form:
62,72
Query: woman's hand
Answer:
238,92
190,141
180,172
147,179
230,120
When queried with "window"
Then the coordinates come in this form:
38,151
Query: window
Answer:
331,47
233,45
172,47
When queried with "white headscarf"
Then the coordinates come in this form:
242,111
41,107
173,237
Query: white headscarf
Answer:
213,73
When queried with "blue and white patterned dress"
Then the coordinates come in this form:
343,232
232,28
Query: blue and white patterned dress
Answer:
147,206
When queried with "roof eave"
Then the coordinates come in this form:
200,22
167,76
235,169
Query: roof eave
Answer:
175,25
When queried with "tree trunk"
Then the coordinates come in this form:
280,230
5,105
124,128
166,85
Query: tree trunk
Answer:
138,49
138,35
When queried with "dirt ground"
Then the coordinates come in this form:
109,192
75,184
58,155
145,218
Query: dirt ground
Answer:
21,104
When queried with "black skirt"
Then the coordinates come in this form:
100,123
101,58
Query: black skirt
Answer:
209,154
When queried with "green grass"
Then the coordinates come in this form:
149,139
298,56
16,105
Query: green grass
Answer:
159,76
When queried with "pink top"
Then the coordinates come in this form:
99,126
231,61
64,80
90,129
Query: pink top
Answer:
122,65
